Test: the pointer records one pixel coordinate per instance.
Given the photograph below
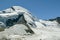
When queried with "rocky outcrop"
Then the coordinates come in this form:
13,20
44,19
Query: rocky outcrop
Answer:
56,19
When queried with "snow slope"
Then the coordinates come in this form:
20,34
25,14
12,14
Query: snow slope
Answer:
17,23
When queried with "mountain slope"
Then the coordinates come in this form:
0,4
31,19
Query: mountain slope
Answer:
17,23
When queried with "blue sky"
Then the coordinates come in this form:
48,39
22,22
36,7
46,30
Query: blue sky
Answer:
43,9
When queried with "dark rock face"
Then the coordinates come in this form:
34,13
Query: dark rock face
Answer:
11,22
57,19
3,11
12,8
29,31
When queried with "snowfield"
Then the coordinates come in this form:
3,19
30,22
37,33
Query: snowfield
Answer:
17,23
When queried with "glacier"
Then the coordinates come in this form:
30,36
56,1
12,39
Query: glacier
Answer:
17,23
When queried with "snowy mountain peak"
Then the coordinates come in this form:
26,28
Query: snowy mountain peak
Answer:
16,15
14,9
17,23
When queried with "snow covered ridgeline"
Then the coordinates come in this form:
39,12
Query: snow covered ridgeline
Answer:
17,23
14,15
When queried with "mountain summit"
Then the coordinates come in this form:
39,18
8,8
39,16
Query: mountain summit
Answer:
13,9
17,23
